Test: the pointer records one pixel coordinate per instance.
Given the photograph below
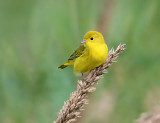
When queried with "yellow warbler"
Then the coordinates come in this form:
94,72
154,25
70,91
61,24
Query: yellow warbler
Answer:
91,53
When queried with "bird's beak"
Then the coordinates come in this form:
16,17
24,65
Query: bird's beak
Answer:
83,41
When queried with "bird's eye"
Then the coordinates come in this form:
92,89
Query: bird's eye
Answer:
91,38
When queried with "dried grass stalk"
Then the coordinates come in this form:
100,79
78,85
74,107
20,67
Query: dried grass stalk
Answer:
72,108
151,117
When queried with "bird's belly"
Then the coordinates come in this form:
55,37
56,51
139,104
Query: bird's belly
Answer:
88,62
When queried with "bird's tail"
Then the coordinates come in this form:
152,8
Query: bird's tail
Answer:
62,66
68,63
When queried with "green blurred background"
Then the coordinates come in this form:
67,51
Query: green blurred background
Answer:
36,36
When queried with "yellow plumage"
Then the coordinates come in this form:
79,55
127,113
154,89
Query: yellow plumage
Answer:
90,54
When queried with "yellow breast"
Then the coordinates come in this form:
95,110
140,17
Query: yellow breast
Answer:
93,56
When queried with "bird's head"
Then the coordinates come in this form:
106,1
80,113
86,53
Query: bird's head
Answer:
93,36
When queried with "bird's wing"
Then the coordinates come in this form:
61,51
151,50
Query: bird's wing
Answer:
77,53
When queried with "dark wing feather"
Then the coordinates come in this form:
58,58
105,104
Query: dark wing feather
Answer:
77,53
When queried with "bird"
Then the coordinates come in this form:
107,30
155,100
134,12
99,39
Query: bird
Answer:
91,53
